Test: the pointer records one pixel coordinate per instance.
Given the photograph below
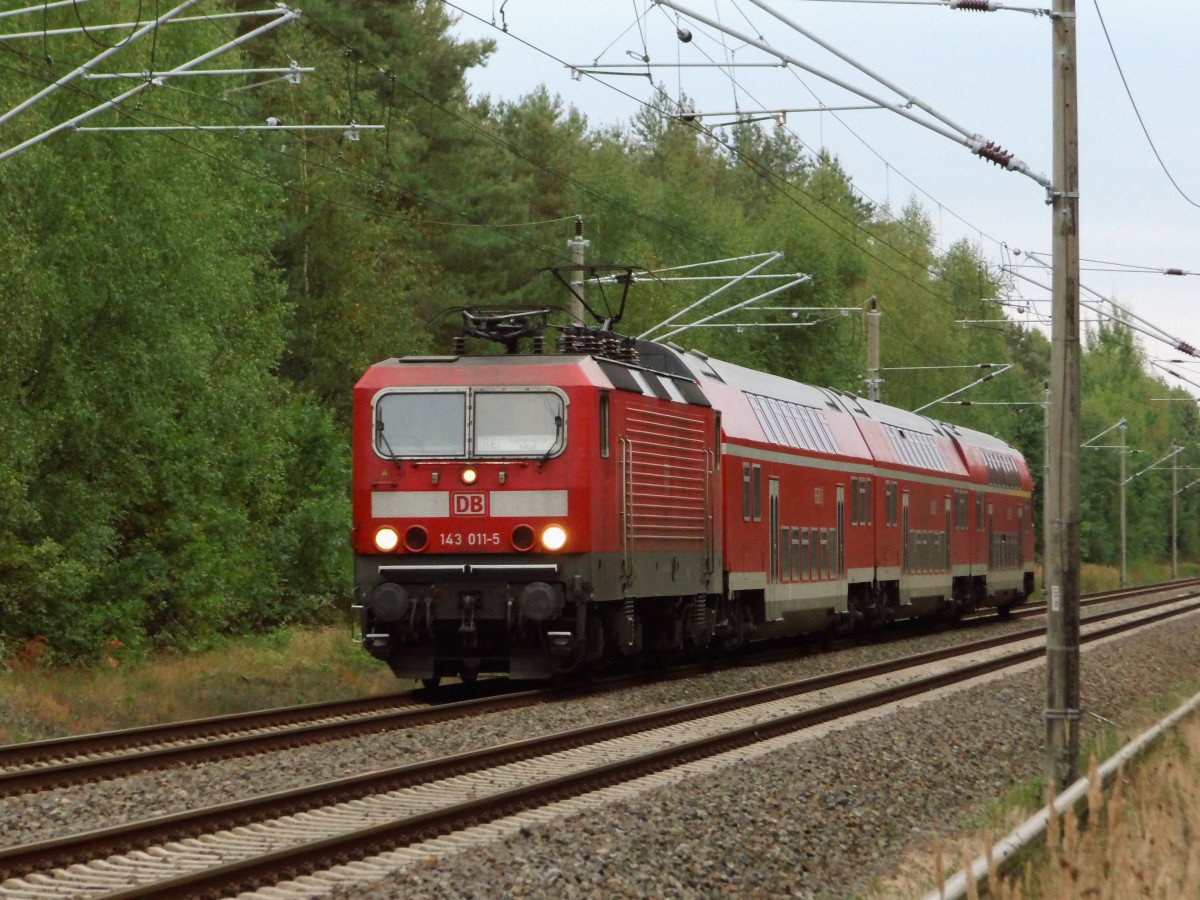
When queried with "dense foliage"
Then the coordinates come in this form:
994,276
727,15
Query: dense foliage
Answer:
184,313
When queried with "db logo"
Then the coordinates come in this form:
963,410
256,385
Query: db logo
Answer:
464,504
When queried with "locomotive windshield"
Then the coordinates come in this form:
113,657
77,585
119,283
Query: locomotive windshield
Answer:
508,424
512,423
420,424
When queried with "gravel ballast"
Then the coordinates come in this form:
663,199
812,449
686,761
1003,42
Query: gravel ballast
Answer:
826,818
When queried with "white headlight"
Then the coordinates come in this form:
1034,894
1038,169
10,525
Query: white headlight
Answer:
554,537
386,539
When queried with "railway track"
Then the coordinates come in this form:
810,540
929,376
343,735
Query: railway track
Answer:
1038,608
241,845
43,765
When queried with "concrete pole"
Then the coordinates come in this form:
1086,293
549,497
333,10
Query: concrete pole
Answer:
1063,494
577,246
1174,515
1045,483
873,379
1121,480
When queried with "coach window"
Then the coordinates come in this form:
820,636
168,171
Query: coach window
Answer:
428,423
853,501
795,554
756,492
745,492
604,424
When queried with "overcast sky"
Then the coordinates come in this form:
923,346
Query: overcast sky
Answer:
987,72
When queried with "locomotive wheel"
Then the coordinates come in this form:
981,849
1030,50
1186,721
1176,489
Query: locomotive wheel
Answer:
431,683
468,675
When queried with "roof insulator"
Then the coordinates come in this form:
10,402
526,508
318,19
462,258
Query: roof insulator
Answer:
995,153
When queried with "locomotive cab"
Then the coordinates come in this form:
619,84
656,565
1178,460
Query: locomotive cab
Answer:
463,538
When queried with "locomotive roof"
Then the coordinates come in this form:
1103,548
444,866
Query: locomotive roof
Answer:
522,359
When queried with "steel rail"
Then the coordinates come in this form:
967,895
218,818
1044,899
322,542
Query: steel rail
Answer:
80,771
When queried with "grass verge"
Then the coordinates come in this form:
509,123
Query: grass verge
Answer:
281,669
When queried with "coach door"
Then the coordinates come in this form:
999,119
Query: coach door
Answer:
841,533
774,598
906,559
949,532
992,561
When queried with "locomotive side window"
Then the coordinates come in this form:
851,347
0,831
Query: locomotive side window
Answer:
421,424
745,492
511,423
604,425
717,441
756,492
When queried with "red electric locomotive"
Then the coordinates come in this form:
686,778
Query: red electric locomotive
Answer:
534,512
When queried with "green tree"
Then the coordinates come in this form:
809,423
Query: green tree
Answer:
153,496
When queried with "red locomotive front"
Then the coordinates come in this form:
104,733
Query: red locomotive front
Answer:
525,514
471,479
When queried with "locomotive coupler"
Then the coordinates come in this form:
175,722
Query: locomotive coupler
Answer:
564,643
560,643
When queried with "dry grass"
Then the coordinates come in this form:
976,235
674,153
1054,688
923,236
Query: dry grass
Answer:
1141,841
285,668
1142,838
1094,578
